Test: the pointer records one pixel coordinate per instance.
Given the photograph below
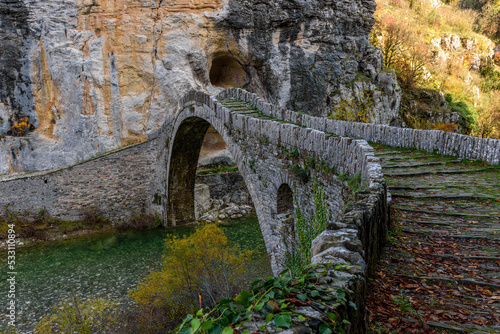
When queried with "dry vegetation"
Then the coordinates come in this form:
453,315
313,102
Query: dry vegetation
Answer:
442,48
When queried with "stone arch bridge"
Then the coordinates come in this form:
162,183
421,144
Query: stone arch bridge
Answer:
281,162
278,160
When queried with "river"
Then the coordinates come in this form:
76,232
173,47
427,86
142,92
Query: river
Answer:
107,264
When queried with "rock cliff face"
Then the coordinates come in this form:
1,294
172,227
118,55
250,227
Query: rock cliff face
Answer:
93,75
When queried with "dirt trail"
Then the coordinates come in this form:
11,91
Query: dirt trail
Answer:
441,269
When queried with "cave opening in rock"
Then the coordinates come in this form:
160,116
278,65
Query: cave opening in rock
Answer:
227,72
204,181
285,199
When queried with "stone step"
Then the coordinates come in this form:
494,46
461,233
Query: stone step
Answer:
465,280
448,222
487,258
435,172
484,228
458,214
243,109
405,153
448,211
249,112
444,196
485,179
459,186
431,163
378,154
487,236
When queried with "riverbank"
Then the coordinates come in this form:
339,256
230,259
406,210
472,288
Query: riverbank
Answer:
32,232
31,229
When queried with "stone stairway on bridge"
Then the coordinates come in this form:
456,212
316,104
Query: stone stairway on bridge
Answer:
241,107
442,264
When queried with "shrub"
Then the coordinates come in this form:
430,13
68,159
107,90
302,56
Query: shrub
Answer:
93,218
141,222
490,19
301,172
293,153
491,78
355,183
20,127
448,127
468,115
269,304
68,226
27,225
311,162
96,315
489,120
198,270
357,109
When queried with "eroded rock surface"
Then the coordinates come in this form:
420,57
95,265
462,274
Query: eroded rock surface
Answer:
94,75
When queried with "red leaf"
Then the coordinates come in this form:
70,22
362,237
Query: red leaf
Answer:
295,301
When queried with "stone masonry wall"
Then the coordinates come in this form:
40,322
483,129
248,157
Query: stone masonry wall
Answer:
116,186
441,142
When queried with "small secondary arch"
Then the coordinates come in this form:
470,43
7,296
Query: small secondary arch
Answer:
285,200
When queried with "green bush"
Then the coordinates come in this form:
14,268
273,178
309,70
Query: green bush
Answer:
468,115
274,300
301,172
293,153
491,78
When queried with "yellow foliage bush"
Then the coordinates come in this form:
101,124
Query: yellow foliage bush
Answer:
448,127
20,127
200,269
358,109
96,315
489,118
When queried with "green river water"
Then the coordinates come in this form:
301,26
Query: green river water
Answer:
107,265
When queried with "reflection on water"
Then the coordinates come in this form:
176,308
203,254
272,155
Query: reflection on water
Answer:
107,265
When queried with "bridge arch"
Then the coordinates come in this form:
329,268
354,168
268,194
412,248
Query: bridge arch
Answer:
284,200
182,170
184,145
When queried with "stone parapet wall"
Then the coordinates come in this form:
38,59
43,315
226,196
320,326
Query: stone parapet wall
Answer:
116,186
356,239
356,242
445,143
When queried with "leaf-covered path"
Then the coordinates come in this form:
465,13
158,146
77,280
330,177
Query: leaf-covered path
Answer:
440,272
